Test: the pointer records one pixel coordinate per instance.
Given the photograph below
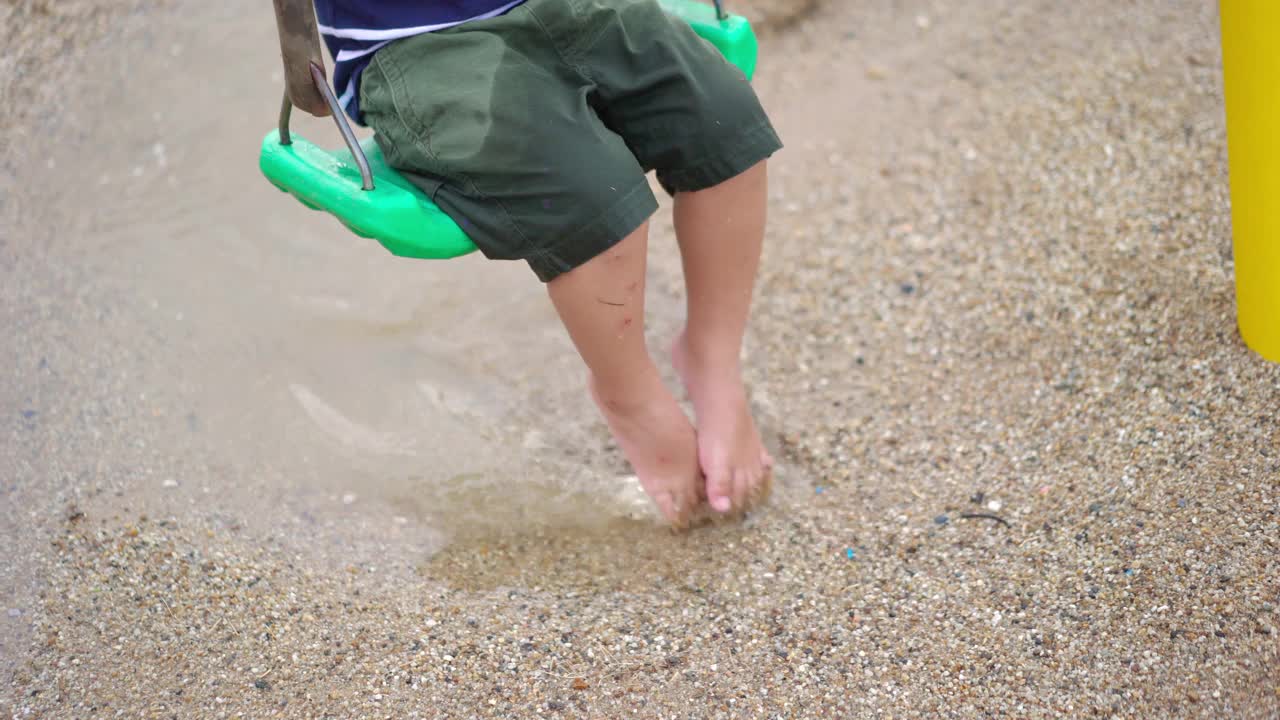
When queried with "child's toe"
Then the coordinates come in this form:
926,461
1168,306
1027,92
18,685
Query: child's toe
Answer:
669,505
720,491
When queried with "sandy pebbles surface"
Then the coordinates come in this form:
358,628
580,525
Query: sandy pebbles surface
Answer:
1030,469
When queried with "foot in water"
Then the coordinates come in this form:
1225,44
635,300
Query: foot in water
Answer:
738,468
659,442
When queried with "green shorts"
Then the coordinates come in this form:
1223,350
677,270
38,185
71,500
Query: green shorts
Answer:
534,130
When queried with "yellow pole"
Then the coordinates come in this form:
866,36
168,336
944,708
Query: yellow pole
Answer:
1251,74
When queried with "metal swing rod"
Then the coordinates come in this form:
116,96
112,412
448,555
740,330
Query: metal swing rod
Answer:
331,102
305,84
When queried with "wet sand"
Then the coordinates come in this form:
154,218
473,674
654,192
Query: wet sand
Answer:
255,467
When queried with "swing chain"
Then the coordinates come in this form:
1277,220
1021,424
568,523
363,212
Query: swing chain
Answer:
720,13
339,118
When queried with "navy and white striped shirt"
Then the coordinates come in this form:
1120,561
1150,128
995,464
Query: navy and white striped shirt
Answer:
355,29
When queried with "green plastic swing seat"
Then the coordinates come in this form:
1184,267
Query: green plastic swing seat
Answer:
395,212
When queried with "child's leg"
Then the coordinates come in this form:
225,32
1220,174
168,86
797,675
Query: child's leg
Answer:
602,305
694,118
720,231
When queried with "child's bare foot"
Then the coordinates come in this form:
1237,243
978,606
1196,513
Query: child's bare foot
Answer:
732,456
658,441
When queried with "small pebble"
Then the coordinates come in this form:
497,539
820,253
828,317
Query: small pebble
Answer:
942,520
14,612
995,505
348,498
170,483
